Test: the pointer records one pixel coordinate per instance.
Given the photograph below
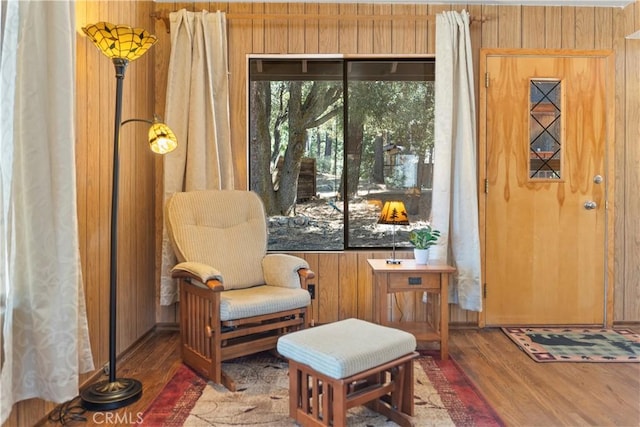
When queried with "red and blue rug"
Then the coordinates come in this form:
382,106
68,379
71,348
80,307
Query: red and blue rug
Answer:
444,395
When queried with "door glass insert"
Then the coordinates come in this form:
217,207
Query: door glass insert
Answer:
545,129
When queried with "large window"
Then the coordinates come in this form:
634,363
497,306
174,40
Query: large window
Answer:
332,139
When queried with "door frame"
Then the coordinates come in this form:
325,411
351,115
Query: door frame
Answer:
609,160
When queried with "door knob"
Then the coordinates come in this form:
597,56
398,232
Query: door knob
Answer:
590,204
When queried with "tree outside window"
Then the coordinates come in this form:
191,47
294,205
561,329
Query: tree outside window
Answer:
332,139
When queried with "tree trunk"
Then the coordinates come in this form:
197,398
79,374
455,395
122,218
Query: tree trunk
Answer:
260,140
378,160
355,135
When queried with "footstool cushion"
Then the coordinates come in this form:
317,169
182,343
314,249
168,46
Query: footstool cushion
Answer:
346,347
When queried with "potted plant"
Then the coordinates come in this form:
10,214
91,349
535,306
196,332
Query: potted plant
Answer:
422,239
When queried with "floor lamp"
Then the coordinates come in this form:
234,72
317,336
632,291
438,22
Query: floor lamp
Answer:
393,213
122,44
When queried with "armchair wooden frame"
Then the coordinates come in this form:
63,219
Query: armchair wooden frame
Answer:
206,341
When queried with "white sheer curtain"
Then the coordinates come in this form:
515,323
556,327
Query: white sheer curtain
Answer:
44,327
197,109
455,198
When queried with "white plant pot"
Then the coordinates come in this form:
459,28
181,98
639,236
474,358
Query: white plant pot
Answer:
421,256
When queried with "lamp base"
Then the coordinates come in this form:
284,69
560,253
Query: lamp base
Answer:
106,396
393,261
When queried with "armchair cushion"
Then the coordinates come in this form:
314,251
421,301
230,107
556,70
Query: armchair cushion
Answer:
259,300
282,270
233,241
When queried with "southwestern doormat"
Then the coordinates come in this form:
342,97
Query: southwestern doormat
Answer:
443,396
577,344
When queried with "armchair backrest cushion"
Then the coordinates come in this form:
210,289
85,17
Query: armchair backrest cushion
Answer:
225,229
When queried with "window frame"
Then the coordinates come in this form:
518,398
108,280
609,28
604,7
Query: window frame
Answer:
345,58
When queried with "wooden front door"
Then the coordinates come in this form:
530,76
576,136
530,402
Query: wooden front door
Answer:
546,128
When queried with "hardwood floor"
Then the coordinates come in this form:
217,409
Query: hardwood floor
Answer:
526,393
522,392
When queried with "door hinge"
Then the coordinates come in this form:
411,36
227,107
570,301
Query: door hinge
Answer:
486,79
484,290
486,186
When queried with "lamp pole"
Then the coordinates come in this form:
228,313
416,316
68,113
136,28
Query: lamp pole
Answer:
116,392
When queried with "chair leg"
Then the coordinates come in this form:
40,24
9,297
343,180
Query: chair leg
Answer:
228,382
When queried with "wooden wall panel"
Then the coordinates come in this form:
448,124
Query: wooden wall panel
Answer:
347,32
365,30
339,275
328,34
630,286
502,26
404,33
296,29
585,27
568,28
533,20
603,28
382,34
509,26
312,34
553,26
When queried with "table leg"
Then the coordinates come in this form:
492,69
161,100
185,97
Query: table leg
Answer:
444,316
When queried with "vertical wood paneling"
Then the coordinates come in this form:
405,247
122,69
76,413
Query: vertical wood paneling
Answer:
553,27
631,153
164,314
275,30
585,27
621,25
490,27
258,30
382,33
509,26
311,42
603,28
404,33
569,27
328,287
240,35
348,30
296,29
348,295
365,30
423,30
328,29
125,220
365,287
533,20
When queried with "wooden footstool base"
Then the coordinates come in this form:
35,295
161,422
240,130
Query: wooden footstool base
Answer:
345,364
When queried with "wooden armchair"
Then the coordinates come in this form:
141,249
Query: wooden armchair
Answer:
235,299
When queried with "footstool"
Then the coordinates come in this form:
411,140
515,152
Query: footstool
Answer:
340,365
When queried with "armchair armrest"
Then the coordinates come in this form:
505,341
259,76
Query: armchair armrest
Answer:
202,274
286,271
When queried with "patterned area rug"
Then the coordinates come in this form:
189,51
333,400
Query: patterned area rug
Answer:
577,344
444,396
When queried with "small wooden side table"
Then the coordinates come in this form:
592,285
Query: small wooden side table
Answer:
411,277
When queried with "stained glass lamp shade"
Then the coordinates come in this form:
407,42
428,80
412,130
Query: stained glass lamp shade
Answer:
120,41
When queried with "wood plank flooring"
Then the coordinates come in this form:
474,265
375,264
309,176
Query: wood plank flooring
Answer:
522,392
